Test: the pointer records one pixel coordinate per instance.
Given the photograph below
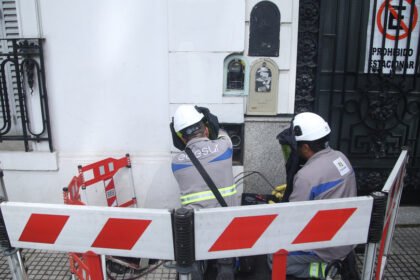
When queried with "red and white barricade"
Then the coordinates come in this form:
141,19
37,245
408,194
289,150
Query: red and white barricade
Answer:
90,230
215,233
279,228
393,188
266,229
101,230
112,178
109,178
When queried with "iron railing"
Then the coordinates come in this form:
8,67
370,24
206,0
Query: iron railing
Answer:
23,79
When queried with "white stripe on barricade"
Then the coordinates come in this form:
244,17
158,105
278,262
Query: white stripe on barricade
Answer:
393,187
115,231
264,229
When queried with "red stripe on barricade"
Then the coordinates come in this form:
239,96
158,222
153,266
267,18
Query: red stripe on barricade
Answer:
242,233
103,169
120,233
324,225
43,228
110,193
129,203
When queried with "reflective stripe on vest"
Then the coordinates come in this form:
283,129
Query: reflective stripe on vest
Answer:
207,195
323,268
314,270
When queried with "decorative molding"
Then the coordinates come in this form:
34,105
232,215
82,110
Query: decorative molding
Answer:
307,55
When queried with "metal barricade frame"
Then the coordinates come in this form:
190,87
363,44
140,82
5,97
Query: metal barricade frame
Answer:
27,223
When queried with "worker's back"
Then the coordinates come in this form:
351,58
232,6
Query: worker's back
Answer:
216,158
327,174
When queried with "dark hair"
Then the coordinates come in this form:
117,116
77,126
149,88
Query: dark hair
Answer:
194,131
317,145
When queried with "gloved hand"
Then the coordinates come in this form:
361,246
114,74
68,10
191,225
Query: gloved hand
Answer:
278,192
178,143
211,121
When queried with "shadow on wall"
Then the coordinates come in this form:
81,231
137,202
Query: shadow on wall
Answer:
162,192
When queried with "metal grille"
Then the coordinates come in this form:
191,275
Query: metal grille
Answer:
25,60
365,82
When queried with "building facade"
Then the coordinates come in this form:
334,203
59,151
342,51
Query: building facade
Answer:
86,80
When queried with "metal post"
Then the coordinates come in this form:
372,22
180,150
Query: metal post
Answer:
183,225
17,268
369,261
103,265
131,180
3,193
375,233
83,185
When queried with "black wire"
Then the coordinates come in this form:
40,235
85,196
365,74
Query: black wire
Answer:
252,173
243,177
143,273
243,173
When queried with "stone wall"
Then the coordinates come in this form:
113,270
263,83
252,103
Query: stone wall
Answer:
263,153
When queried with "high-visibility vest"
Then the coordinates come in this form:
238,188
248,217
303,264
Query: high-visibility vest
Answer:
207,195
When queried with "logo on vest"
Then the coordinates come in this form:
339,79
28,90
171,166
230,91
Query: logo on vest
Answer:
341,166
204,151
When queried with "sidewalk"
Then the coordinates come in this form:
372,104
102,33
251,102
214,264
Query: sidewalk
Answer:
404,262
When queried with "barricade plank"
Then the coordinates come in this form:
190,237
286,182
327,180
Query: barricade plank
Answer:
113,231
263,229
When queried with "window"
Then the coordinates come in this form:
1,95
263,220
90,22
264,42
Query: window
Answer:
264,30
8,29
24,118
235,76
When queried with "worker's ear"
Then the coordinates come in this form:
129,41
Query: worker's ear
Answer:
206,131
177,140
306,151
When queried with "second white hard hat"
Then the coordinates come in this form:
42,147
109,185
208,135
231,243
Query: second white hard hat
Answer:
185,116
310,127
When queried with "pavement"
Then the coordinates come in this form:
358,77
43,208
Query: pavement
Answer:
403,263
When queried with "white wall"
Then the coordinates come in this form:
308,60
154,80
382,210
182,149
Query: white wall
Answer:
107,80
286,61
117,70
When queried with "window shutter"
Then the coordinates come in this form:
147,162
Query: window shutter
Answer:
9,28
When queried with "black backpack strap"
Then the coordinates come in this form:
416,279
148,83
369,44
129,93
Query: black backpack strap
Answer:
206,177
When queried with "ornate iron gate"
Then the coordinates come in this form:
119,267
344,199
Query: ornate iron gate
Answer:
368,91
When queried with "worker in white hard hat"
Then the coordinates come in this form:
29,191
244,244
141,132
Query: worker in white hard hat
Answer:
195,128
326,174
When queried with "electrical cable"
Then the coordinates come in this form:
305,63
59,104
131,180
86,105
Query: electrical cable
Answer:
249,173
243,172
143,273
169,265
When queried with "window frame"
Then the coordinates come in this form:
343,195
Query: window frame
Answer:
235,92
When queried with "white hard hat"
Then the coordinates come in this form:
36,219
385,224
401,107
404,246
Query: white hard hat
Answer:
310,127
185,116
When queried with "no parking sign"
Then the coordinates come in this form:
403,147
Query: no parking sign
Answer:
392,36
